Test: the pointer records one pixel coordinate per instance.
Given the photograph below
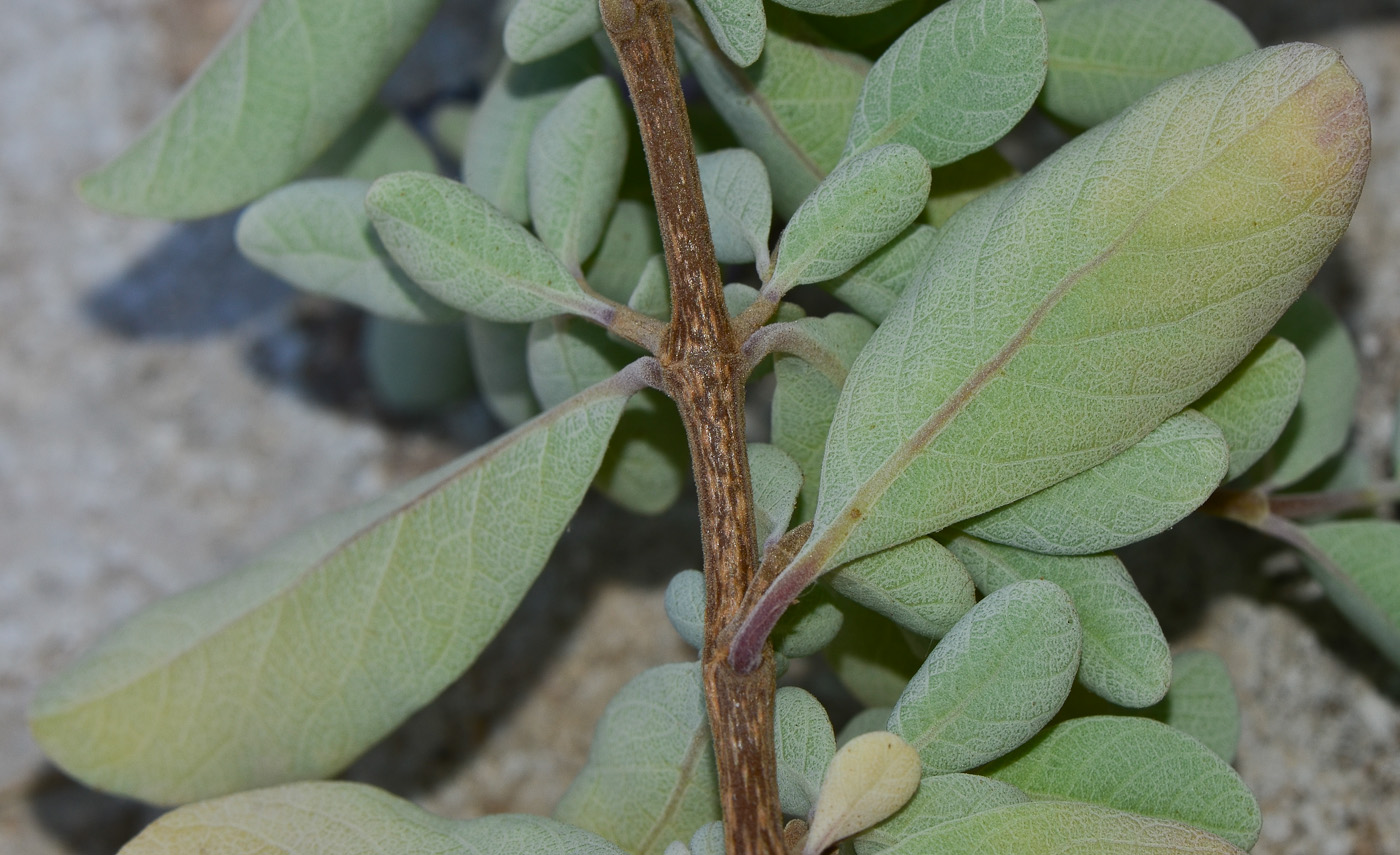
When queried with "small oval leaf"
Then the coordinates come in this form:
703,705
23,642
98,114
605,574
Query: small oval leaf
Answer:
919,585
1201,702
804,743
955,82
536,29
1147,489
1254,402
685,606
463,251
994,680
940,798
415,368
739,203
1138,765
628,243
871,656
1125,658
502,373
738,27
861,206
776,483
870,778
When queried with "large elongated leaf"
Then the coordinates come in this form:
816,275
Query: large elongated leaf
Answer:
792,107
940,798
1125,657
278,92
739,203
462,250
1320,425
1054,828
994,680
317,236
293,665
861,206
575,169
1355,562
1069,313
1106,54
1138,765
536,29
650,777
1253,403
338,818
495,158
920,585
1145,490
955,82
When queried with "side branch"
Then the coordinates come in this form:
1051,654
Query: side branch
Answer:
701,370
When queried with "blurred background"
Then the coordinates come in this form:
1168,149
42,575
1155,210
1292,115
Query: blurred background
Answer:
166,410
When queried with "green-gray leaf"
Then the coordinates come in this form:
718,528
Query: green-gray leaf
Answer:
416,368
805,395
994,680
873,286
378,143
1355,562
1321,424
809,624
650,776
939,799
494,160
628,243
499,365
1054,828
955,82
805,744
1125,658
861,206
341,818
1118,302
575,169
1138,765
317,236
708,839
1253,403
961,181
353,623
536,29
776,483
738,27
276,94
842,8
866,721
739,204
463,251
685,606
1106,54
792,107
1143,491
871,656
918,585
1201,702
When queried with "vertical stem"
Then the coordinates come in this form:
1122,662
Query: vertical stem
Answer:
701,370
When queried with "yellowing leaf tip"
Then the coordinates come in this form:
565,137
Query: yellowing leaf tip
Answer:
870,778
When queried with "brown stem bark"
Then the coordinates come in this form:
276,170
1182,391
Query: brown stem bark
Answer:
701,371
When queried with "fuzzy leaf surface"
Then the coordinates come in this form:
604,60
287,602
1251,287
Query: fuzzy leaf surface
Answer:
1254,402
341,818
955,82
377,143
870,778
805,395
628,243
651,293
792,107
739,203
738,27
280,89
1106,54
316,235
575,169
839,8
462,250
994,680
873,286
940,798
776,483
1125,658
805,744
1054,828
1145,490
1138,765
919,585
1355,562
1069,313
495,157
501,370
871,656
650,777
1320,425
352,624
862,205
536,29
1201,702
